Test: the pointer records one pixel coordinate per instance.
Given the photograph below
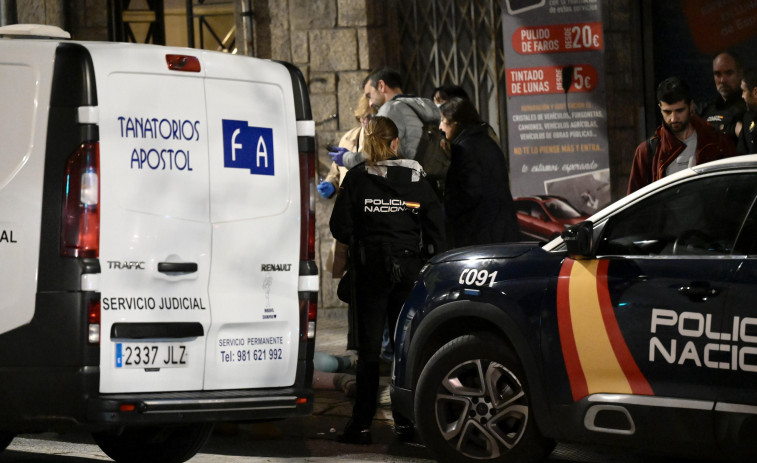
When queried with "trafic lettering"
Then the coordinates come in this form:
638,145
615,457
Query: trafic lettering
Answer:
125,265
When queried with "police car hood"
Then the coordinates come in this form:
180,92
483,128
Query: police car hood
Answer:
491,251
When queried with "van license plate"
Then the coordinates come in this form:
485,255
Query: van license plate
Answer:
151,355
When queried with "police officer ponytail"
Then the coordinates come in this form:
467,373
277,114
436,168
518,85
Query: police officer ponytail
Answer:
379,135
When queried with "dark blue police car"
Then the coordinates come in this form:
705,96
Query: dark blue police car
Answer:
636,328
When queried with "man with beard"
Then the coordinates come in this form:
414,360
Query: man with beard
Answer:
748,136
726,110
683,140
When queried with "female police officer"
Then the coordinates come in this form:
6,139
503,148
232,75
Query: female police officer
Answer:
392,218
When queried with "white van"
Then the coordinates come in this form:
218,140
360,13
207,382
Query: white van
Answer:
156,242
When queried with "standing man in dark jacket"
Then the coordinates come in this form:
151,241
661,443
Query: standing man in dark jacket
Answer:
477,200
682,141
727,109
392,217
748,134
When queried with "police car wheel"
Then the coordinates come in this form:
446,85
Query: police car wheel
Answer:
151,444
5,440
472,405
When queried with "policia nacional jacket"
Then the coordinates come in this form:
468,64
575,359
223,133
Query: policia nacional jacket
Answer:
389,203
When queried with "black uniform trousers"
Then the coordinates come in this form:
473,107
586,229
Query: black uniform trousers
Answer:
379,298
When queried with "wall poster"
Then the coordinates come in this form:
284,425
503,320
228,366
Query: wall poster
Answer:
557,141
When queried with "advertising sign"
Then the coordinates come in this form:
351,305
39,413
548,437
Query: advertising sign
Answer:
557,121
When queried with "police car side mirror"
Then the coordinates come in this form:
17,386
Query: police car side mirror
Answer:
579,239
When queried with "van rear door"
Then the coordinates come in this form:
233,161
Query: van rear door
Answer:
255,216
155,234
25,73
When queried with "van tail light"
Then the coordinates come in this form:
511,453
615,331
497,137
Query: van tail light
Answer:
93,322
80,230
310,303
307,205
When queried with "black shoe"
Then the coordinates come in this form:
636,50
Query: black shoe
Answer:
353,434
404,432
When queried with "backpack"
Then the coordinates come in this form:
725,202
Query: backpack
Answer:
430,154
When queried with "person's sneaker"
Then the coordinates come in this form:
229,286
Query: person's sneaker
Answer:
353,434
404,432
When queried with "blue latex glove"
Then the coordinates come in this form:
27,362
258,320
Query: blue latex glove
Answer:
337,155
326,189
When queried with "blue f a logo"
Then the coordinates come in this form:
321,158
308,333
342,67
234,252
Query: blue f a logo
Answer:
246,147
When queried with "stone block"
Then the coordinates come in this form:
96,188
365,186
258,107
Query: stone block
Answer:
324,111
348,93
31,12
307,15
281,48
278,38
363,49
300,49
333,50
322,82
352,13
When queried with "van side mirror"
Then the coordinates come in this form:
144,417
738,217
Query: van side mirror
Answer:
579,239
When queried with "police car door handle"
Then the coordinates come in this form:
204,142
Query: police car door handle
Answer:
177,267
698,291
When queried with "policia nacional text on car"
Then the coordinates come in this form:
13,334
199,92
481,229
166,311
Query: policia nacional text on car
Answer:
390,214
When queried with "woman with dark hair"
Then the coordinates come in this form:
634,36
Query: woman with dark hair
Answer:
393,221
448,91
477,200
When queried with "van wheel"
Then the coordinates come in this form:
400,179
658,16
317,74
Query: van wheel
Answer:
170,444
5,440
472,405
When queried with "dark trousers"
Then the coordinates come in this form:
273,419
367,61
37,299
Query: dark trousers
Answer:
378,300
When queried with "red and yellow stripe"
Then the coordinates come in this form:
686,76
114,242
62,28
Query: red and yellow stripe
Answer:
597,358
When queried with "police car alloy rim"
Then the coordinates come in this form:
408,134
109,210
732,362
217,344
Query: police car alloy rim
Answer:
481,409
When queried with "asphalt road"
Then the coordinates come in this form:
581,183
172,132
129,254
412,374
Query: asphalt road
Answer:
261,443
299,440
